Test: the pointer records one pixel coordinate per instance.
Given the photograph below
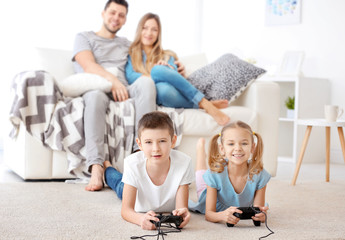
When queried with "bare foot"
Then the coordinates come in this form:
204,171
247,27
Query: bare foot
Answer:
221,103
107,164
220,117
200,155
96,181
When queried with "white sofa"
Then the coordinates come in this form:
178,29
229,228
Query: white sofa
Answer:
258,106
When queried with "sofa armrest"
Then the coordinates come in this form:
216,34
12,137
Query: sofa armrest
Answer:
263,97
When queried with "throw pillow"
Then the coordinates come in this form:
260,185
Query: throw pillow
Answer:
80,83
225,78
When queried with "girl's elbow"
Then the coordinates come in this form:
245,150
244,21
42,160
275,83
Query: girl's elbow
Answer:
207,217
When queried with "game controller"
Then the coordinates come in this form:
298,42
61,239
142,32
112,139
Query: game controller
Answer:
247,213
177,220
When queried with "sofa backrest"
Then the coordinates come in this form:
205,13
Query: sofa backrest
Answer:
193,62
55,61
59,62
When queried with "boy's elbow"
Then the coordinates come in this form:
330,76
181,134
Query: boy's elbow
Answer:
123,213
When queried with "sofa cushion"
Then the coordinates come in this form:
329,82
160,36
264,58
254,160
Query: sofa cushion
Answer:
225,78
200,123
80,83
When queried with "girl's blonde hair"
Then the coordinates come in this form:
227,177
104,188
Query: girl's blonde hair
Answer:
217,162
157,53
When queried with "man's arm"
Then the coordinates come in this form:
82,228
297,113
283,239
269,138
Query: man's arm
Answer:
181,68
87,61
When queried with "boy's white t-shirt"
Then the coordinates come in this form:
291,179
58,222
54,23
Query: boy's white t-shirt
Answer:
149,196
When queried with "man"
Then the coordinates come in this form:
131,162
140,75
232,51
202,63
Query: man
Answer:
94,52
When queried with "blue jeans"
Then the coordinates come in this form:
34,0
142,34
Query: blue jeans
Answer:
113,179
173,90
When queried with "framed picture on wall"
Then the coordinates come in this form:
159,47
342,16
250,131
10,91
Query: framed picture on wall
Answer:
292,63
282,12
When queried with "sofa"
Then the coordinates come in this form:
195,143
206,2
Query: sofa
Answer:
258,105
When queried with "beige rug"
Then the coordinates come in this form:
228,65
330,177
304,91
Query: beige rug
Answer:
56,210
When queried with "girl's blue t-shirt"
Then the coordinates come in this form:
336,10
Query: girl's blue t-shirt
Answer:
226,194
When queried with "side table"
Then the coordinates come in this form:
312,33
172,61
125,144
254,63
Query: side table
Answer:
321,123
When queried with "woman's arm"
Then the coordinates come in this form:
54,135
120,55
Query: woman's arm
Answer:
259,201
128,213
131,75
182,196
211,213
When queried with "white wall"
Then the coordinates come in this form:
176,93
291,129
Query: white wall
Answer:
239,27
224,26
54,24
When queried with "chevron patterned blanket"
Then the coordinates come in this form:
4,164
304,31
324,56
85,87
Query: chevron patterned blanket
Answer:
57,121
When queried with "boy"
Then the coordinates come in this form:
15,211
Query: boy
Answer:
156,178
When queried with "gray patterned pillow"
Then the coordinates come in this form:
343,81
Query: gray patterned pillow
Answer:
225,78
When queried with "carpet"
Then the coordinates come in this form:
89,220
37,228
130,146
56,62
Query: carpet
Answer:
56,210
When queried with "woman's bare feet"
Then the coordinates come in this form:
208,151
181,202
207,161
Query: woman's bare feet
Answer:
221,103
220,117
96,181
200,155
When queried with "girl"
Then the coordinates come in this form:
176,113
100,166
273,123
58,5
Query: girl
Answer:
147,58
236,177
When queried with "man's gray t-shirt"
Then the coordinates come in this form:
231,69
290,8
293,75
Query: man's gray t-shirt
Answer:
107,52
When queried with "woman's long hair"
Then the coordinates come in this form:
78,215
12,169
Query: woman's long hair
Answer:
217,162
157,53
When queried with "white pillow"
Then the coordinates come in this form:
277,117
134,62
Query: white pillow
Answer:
80,83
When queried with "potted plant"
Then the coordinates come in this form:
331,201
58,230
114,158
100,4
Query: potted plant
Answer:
290,105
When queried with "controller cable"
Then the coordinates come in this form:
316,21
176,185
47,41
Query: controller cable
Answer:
271,232
160,231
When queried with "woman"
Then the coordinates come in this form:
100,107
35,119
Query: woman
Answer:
147,58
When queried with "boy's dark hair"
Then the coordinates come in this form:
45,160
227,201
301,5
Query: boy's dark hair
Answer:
156,120
120,2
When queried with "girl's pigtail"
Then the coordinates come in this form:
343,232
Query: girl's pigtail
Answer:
215,159
256,164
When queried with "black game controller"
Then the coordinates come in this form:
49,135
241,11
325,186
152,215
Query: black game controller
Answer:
177,220
247,213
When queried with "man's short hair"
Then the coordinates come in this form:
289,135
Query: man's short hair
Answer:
156,120
120,2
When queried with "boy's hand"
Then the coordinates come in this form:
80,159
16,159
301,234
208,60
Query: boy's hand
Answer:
145,221
184,213
260,216
229,215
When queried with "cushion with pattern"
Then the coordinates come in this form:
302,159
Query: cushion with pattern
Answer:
225,78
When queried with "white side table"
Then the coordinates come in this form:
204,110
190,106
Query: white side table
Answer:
321,123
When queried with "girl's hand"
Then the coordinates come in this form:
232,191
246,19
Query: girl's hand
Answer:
145,221
229,215
260,216
184,213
